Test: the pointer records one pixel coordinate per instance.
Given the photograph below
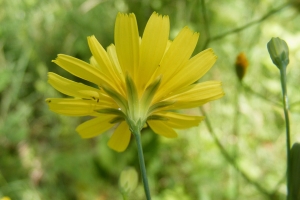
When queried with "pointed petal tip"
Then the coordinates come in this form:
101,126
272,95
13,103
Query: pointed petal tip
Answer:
125,15
155,14
91,38
131,15
210,50
186,28
58,57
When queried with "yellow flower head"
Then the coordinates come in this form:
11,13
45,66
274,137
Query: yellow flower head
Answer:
141,81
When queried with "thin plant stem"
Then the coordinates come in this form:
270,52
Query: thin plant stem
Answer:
137,136
287,125
235,133
205,23
263,97
229,159
236,30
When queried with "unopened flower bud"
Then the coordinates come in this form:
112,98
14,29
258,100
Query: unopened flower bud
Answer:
279,52
128,180
295,172
241,65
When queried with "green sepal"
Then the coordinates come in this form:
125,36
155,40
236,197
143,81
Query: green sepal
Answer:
111,111
120,100
157,117
159,105
132,94
149,93
116,120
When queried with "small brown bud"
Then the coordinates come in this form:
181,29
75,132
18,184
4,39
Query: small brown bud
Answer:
241,65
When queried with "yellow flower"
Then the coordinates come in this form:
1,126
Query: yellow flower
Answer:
141,81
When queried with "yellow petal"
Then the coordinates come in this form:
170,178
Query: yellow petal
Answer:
180,121
95,126
81,69
161,128
196,92
72,88
100,55
104,62
192,104
195,95
127,43
111,51
153,46
112,54
198,66
73,107
93,62
178,54
195,68
120,138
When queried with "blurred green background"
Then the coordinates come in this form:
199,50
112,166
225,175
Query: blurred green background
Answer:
41,155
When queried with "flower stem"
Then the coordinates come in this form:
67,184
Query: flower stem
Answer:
229,158
287,125
136,133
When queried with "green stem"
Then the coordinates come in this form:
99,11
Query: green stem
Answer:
249,89
136,133
205,24
235,147
287,125
238,29
229,158
264,17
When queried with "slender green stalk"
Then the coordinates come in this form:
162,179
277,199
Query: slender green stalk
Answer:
245,26
229,158
235,146
264,17
287,125
205,24
263,97
136,133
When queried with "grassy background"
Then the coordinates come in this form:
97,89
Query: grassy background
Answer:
41,155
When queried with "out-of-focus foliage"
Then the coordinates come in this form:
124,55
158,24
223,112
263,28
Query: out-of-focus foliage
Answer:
41,155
